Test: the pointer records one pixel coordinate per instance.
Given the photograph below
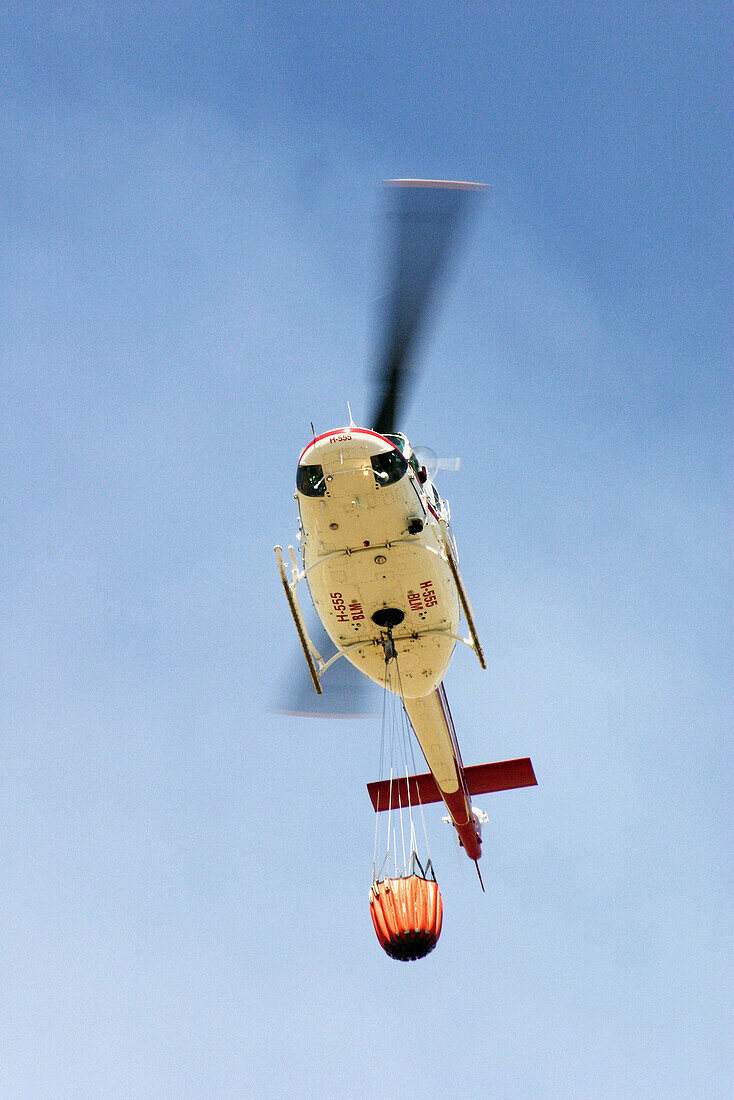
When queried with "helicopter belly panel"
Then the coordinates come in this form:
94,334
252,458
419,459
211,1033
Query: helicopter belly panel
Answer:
410,578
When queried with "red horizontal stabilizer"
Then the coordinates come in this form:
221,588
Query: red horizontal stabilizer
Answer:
505,775
392,794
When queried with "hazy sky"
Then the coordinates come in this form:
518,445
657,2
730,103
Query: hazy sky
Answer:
190,243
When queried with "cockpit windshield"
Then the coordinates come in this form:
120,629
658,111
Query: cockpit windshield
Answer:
389,467
400,441
310,481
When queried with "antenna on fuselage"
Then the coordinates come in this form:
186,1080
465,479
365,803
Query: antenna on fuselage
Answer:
351,418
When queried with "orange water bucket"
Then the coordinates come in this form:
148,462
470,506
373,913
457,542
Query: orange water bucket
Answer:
407,915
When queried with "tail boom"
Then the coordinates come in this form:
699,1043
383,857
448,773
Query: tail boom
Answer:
448,781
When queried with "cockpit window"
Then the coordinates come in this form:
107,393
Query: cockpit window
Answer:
389,467
405,449
310,481
400,442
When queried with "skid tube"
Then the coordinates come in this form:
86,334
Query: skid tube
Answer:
306,644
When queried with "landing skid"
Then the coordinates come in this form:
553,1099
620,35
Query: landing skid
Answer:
463,597
309,649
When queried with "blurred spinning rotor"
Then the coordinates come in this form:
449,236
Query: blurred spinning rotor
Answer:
425,218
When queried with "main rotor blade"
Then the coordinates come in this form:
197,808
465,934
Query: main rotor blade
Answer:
427,216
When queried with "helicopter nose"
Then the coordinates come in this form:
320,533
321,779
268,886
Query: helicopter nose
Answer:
345,448
345,461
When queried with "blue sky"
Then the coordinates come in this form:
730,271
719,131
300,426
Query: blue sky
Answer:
190,250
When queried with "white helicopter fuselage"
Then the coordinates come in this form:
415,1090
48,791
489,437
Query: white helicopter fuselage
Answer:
372,549
380,562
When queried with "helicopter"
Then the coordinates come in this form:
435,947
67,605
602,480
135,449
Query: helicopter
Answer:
377,551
